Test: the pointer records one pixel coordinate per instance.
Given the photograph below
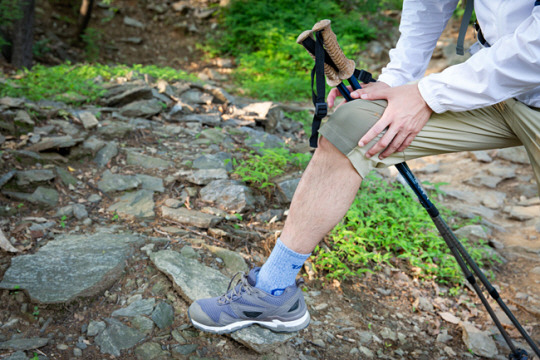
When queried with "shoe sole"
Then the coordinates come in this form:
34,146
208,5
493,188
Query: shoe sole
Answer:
274,325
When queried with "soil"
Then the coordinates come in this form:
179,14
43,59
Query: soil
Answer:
374,302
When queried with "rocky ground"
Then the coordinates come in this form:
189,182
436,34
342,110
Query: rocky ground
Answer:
115,216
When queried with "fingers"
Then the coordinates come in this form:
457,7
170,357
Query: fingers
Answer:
332,95
408,141
395,145
372,133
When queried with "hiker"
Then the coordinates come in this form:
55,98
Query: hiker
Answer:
490,101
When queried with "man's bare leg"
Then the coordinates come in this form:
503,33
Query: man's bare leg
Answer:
324,195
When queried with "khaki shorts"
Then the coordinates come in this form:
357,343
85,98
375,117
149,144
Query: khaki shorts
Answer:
494,127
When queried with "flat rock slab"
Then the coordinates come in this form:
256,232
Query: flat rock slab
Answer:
41,196
151,182
141,108
524,212
516,154
194,280
70,266
229,195
139,204
106,153
130,95
479,342
24,344
205,176
117,337
234,262
53,143
147,162
117,182
31,176
190,217
139,307
163,315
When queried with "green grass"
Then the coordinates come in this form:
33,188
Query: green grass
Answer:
78,83
261,35
386,224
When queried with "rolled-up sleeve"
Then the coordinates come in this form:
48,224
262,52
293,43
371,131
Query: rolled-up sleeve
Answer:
510,67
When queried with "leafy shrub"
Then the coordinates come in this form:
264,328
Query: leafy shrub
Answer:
385,222
91,38
262,35
10,11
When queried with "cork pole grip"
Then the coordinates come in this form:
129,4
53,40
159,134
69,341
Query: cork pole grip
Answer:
346,67
332,78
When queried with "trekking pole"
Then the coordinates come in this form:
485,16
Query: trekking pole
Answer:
463,259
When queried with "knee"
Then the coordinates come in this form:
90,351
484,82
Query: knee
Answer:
326,146
326,151
356,117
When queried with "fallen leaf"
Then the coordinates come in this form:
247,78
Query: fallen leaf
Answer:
452,319
5,244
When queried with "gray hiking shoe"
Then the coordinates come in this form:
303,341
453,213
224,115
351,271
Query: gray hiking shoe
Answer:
245,305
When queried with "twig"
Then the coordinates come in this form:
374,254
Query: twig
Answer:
197,232
344,338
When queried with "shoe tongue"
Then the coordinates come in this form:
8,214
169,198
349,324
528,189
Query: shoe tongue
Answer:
252,276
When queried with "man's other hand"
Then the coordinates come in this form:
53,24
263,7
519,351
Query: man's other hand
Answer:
404,117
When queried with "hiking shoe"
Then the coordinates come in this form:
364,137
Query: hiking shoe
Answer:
244,305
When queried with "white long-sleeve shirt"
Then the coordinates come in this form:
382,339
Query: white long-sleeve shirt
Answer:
510,68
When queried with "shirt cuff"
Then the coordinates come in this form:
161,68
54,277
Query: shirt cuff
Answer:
429,96
388,79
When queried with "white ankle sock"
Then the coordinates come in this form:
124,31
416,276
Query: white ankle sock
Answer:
280,270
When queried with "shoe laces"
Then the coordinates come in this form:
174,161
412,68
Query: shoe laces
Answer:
237,286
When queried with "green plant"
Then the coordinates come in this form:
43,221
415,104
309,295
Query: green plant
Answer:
35,357
91,38
41,47
62,221
260,169
56,81
36,312
115,216
384,223
112,13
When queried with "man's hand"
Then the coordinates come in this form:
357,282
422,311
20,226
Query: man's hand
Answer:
405,116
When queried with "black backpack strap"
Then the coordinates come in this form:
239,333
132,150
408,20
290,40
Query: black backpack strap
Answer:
364,76
321,108
464,25
480,35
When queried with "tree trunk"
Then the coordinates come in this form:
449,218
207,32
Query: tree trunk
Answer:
84,17
22,38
